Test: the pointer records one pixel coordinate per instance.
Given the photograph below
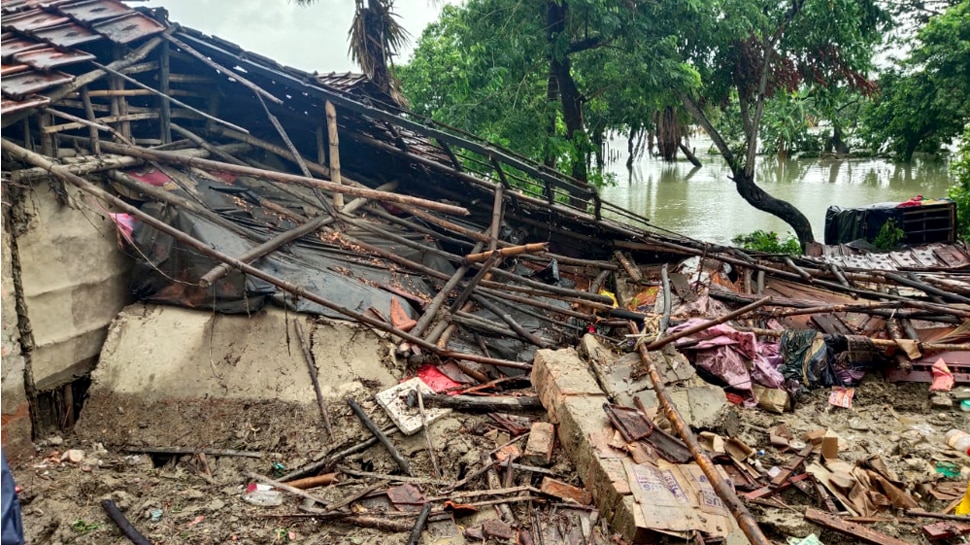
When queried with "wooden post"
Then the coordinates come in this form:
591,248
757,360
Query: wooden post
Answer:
338,199
321,147
46,140
89,112
165,109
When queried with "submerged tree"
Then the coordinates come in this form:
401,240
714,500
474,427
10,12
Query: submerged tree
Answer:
749,51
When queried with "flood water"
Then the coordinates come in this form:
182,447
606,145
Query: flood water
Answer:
704,204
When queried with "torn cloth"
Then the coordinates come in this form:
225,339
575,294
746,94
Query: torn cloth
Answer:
733,356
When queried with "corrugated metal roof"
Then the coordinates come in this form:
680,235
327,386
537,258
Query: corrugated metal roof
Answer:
40,36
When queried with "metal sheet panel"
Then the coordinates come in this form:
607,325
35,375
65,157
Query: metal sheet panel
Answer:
94,10
128,28
50,58
67,35
32,82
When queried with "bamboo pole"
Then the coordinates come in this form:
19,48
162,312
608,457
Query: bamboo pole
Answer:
314,370
208,164
747,522
89,112
177,102
283,238
427,434
432,309
225,71
507,318
663,341
509,251
338,199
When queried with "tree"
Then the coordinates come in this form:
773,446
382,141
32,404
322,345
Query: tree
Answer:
748,51
925,102
375,36
549,80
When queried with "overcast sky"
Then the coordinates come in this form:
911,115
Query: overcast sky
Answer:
308,38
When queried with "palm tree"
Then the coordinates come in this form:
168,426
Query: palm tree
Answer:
375,36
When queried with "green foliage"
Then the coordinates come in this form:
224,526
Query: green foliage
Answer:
484,67
83,527
960,190
889,236
926,103
769,242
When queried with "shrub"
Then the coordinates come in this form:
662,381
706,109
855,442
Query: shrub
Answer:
960,190
769,242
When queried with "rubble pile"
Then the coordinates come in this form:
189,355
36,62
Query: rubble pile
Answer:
409,333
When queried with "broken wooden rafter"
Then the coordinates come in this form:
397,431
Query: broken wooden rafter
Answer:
381,437
532,248
225,71
175,101
630,268
207,164
850,528
333,137
314,370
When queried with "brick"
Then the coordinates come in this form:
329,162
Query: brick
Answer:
558,374
565,491
541,444
830,445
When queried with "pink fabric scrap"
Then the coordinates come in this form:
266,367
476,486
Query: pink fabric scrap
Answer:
942,377
736,357
124,222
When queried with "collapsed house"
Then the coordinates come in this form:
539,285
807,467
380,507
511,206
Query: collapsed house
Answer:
195,223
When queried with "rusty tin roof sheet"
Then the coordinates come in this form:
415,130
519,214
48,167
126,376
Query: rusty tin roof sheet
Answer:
935,256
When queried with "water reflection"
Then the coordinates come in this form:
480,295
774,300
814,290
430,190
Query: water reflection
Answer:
702,202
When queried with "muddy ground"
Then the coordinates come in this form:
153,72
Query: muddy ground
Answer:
179,500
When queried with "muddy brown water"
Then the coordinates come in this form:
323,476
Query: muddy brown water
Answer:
704,204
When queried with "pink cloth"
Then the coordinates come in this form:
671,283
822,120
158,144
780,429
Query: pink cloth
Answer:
942,377
736,357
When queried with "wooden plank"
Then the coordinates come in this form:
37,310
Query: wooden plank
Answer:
850,528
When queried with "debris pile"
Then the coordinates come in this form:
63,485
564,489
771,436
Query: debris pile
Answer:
716,396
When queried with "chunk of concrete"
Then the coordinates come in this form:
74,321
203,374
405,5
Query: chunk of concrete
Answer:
175,376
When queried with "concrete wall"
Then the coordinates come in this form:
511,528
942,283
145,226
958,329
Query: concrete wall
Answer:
74,281
15,410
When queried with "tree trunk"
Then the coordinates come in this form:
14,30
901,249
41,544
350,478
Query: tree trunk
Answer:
758,198
569,95
668,134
